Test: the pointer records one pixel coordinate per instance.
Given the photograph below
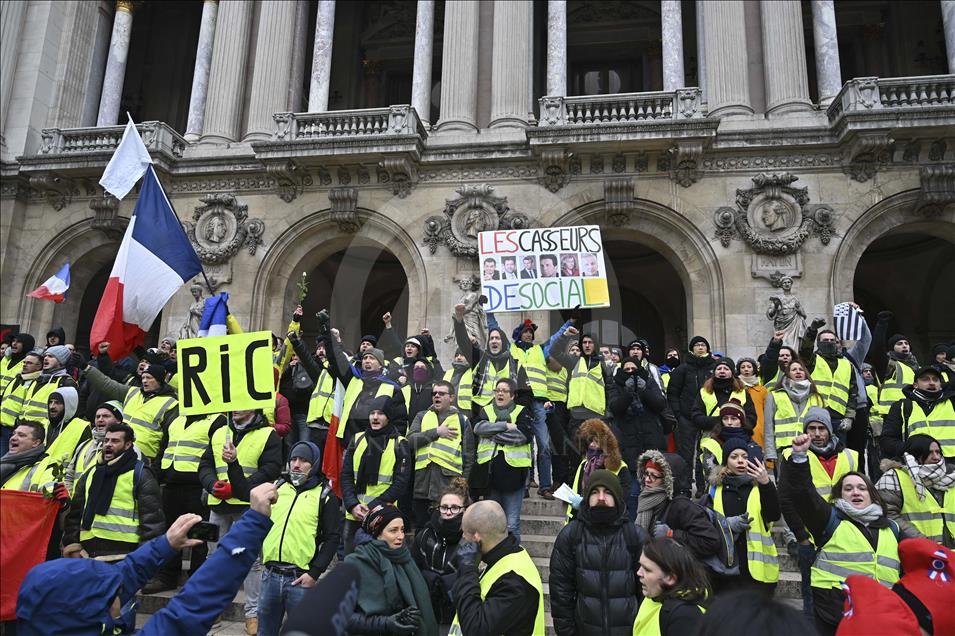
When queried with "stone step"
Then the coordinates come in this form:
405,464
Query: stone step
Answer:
152,603
541,524
535,505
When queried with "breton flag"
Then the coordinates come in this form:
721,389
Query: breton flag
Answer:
154,260
332,454
213,321
55,286
848,321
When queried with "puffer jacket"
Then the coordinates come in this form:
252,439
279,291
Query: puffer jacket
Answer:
685,383
593,576
435,546
636,414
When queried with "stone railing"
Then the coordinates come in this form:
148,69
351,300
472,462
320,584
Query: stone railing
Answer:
397,120
621,109
866,94
157,136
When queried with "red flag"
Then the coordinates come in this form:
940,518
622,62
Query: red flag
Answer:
332,454
26,520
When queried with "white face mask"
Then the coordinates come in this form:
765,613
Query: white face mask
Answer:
297,478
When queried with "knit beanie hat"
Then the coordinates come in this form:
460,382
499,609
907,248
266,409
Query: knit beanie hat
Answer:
941,347
379,403
172,341
752,449
377,354
696,339
894,339
369,338
751,361
157,371
817,414
608,480
733,408
379,518
305,450
114,407
726,362
60,352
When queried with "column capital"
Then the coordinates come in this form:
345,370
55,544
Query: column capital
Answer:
128,6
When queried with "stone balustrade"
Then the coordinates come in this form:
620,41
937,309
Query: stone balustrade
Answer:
624,108
157,136
369,122
865,94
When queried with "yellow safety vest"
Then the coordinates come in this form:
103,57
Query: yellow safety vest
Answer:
665,378
578,486
463,389
37,399
786,423
247,453
761,556
875,411
69,438
891,392
11,404
535,366
940,424
927,515
647,622
322,402
447,453
518,456
485,392
8,370
145,415
187,443
295,518
121,521
354,389
848,461
848,552
557,385
37,477
712,406
586,388
714,447
521,564
833,387
81,463
386,470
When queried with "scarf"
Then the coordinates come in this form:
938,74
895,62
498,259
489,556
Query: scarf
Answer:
604,515
798,390
736,482
595,461
370,464
928,476
904,358
649,504
104,483
30,377
723,384
735,433
9,464
749,381
827,450
390,581
865,516
929,397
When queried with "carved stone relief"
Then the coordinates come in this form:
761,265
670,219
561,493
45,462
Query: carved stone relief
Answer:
618,199
555,170
937,190
868,154
221,227
400,173
106,217
473,211
57,190
344,202
290,179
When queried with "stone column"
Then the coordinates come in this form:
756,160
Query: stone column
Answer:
230,57
784,57
948,25
557,48
510,63
322,57
12,15
200,76
671,17
423,49
459,67
724,41
299,46
272,67
112,92
826,44
700,53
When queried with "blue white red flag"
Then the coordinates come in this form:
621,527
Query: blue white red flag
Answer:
55,286
213,321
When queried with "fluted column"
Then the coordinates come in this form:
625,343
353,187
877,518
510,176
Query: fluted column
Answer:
948,25
200,75
459,67
230,57
784,57
826,45
11,24
299,47
700,52
112,92
322,57
557,48
272,67
510,63
671,17
724,42
423,49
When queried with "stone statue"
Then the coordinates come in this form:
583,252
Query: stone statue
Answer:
475,222
475,320
215,229
775,216
787,314
190,328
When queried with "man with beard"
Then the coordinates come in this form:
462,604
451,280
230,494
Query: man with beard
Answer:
926,408
86,453
53,376
832,370
682,392
116,505
322,400
593,582
64,433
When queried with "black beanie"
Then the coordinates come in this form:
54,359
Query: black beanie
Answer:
157,371
752,449
939,348
724,361
369,338
379,518
896,338
696,339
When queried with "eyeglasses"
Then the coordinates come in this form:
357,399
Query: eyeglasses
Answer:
504,391
452,509
439,393
652,476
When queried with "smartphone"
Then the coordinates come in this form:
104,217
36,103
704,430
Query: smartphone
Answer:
205,531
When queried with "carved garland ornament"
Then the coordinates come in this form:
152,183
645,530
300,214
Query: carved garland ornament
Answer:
475,210
221,227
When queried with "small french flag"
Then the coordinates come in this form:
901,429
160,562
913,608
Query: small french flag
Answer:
55,286
214,313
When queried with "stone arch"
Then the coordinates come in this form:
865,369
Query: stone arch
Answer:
684,247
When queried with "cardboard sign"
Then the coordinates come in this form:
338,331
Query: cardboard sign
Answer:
543,268
226,373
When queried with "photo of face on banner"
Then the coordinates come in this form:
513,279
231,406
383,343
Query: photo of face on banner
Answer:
589,265
568,265
490,270
509,267
549,266
529,267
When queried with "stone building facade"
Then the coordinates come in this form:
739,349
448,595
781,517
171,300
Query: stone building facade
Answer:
721,146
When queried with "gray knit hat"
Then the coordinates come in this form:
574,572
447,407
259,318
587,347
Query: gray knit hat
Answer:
60,352
817,414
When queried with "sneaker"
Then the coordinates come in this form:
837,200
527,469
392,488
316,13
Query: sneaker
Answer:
546,493
252,626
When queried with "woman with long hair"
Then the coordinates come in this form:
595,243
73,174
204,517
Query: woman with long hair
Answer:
720,388
785,407
748,370
674,586
732,425
598,448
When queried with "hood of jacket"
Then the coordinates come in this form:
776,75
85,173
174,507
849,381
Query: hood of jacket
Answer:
657,458
596,429
68,596
28,342
71,401
57,331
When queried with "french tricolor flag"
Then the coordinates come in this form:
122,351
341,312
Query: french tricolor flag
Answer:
154,260
55,286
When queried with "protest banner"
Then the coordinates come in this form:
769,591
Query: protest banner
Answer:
226,373
26,520
543,268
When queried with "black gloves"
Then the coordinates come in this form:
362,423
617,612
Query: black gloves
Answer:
816,323
467,556
323,322
79,361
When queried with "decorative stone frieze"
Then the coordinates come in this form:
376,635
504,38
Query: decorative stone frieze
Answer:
57,190
344,202
473,211
220,227
868,153
554,169
618,198
106,217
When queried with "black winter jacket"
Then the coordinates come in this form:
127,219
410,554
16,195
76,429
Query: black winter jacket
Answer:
685,383
636,415
434,549
893,439
400,479
705,420
691,526
593,581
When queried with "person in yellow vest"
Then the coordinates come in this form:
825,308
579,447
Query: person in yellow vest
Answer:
741,491
12,360
508,596
116,505
599,450
748,374
35,397
443,445
944,355
503,431
926,407
834,375
240,456
558,421
899,371
851,530
376,469
718,389
64,432
87,452
313,418
461,378
921,490
872,394
14,394
732,425
26,465
306,527
785,406
674,586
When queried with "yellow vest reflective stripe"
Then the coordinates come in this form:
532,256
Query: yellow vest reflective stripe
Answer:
833,387
355,387
579,477
786,424
712,406
848,552
121,521
713,445
187,443
927,515
486,391
447,453
82,462
247,453
535,366
586,388
518,456
875,411
386,469
940,424
557,385
647,622
69,438
12,403
36,477
37,397
665,378
294,525
8,370
521,564
322,402
761,556
891,392
145,416
462,390
848,461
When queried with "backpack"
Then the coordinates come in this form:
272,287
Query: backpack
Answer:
724,562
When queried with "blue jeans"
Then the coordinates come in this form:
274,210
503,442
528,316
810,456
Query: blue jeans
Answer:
511,502
277,597
633,498
299,428
543,444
